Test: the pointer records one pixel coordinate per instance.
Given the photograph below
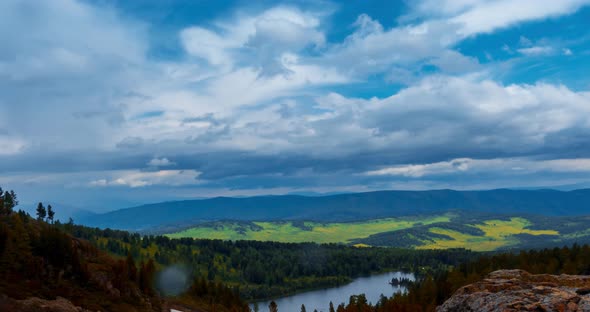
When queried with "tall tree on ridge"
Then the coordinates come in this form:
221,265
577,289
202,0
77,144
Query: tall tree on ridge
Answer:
8,201
50,213
41,212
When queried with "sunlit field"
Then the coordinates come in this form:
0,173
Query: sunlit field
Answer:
305,231
497,234
491,234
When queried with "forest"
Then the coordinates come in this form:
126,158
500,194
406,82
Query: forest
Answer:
38,258
264,270
118,270
434,289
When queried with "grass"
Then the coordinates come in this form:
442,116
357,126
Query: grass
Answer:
311,231
498,233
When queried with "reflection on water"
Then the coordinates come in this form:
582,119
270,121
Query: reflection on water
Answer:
372,287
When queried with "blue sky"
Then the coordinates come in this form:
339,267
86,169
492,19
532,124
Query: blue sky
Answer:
106,104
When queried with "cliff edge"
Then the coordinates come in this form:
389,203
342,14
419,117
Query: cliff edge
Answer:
518,290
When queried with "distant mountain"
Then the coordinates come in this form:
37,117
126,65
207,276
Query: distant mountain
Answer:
345,207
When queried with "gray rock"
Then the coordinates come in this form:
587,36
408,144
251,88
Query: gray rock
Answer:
517,290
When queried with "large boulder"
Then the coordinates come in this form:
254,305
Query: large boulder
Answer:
517,290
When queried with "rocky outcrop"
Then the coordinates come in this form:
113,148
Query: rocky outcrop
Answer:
35,304
517,290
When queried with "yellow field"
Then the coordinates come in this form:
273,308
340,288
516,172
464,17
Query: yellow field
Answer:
498,233
319,232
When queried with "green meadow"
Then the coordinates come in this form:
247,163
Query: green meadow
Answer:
297,232
449,230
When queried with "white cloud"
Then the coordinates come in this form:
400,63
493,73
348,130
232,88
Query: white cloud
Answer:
449,113
497,166
525,42
566,51
268,35
208,45
486,16
160,162
536,50
10,145
431,40
417,171
133,178
376,49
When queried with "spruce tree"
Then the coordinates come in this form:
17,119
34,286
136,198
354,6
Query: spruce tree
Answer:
50,213
41,212
2,212
8,201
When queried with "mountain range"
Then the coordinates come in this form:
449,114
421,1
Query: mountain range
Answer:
345,207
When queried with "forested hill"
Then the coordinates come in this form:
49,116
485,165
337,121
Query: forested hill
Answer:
44,267
346,207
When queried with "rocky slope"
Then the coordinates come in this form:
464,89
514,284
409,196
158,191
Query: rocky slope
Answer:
37,304
517,290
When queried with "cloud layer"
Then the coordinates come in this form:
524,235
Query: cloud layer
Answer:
267,101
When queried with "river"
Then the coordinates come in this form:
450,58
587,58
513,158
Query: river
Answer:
372,286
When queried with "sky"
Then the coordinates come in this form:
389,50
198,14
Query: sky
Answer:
108,104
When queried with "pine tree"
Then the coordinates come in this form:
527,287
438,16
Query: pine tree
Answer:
41,212
303,308
13,202
8,201
272,307
2,212
332,307
50,213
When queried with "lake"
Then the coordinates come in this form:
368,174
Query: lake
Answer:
372,286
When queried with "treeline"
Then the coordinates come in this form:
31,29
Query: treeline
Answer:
434,289
267,269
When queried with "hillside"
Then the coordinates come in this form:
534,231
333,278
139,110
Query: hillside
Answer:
69,267
43,267
38,260
478,232
345,207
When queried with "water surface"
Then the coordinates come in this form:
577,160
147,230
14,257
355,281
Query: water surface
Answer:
372,286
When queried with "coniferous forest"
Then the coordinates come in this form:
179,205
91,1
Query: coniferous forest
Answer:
118,271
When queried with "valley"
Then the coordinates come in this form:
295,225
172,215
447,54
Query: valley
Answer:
303,231
484,232
228,265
